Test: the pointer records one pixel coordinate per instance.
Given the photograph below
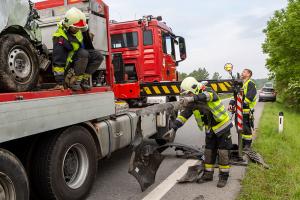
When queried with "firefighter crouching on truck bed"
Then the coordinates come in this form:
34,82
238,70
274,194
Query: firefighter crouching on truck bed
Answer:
249,101
210,114
70,58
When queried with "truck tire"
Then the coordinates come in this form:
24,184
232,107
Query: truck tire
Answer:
14,183
65,165
19,65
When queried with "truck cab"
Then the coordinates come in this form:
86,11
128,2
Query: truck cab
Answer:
148,49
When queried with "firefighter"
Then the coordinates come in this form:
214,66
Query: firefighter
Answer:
69,53
210,114
249,101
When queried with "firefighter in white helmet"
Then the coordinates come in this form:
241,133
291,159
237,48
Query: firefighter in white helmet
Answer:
71,54
211,115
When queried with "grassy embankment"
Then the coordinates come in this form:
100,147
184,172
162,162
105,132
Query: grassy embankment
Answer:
281,152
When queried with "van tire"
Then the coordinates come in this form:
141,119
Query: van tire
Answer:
19,64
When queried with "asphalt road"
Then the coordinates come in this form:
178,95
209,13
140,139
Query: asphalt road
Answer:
114,183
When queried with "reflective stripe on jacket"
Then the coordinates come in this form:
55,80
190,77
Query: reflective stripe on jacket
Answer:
250,96
215,109
61,32
219,113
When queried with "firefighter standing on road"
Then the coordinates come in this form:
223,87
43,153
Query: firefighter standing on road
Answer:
210,114
249,101
69,51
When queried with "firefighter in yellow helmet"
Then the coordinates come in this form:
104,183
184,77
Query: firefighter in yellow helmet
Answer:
211,115
70,52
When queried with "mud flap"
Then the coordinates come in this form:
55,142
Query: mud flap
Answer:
144,163
185,151
256,158
145,160
192,174
252,156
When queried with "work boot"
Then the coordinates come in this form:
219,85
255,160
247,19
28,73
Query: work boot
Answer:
223,177
206,177
247,147
85,84
76,86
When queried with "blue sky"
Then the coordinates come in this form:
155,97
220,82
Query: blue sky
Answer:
216,32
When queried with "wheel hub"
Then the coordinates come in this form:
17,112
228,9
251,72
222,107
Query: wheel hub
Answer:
7,189
75,166
19,65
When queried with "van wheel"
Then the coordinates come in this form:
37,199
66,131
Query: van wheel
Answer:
66,165
19,65
14,183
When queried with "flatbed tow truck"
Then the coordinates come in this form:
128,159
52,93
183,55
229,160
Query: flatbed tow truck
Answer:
51,140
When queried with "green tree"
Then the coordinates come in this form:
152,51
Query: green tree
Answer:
200,74
282,44
260,82
216,76
182,76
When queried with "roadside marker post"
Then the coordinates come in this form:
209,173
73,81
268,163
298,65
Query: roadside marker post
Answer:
280,122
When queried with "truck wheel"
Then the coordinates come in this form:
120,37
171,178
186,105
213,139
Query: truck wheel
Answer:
66,165
14,183
19,66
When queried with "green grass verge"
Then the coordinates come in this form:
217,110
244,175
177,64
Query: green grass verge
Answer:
281,152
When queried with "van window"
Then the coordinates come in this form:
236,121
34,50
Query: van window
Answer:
268,90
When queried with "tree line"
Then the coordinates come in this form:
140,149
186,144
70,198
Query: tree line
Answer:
282,45
203,74
200,74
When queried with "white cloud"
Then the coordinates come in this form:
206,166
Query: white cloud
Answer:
216,32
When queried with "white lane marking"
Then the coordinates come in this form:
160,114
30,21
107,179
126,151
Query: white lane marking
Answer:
158,192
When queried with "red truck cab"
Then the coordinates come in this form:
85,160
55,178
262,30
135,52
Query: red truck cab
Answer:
148,49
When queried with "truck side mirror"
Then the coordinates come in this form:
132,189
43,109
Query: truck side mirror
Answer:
159,18
182,49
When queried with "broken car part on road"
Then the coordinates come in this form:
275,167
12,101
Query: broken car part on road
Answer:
146,157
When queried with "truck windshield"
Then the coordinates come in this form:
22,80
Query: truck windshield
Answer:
124,40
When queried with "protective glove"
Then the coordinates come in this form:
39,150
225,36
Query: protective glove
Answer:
231,108
169,136
184,101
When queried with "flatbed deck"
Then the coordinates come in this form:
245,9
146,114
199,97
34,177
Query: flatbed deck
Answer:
37,112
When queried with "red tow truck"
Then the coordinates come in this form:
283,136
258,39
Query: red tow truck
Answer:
51,140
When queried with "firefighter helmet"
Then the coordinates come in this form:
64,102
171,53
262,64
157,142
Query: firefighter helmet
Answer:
190,84
75,18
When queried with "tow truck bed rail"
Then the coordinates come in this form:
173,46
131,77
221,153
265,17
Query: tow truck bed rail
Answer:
21,118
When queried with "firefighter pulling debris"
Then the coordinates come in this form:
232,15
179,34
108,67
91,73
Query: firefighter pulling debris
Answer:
212,117
146,158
